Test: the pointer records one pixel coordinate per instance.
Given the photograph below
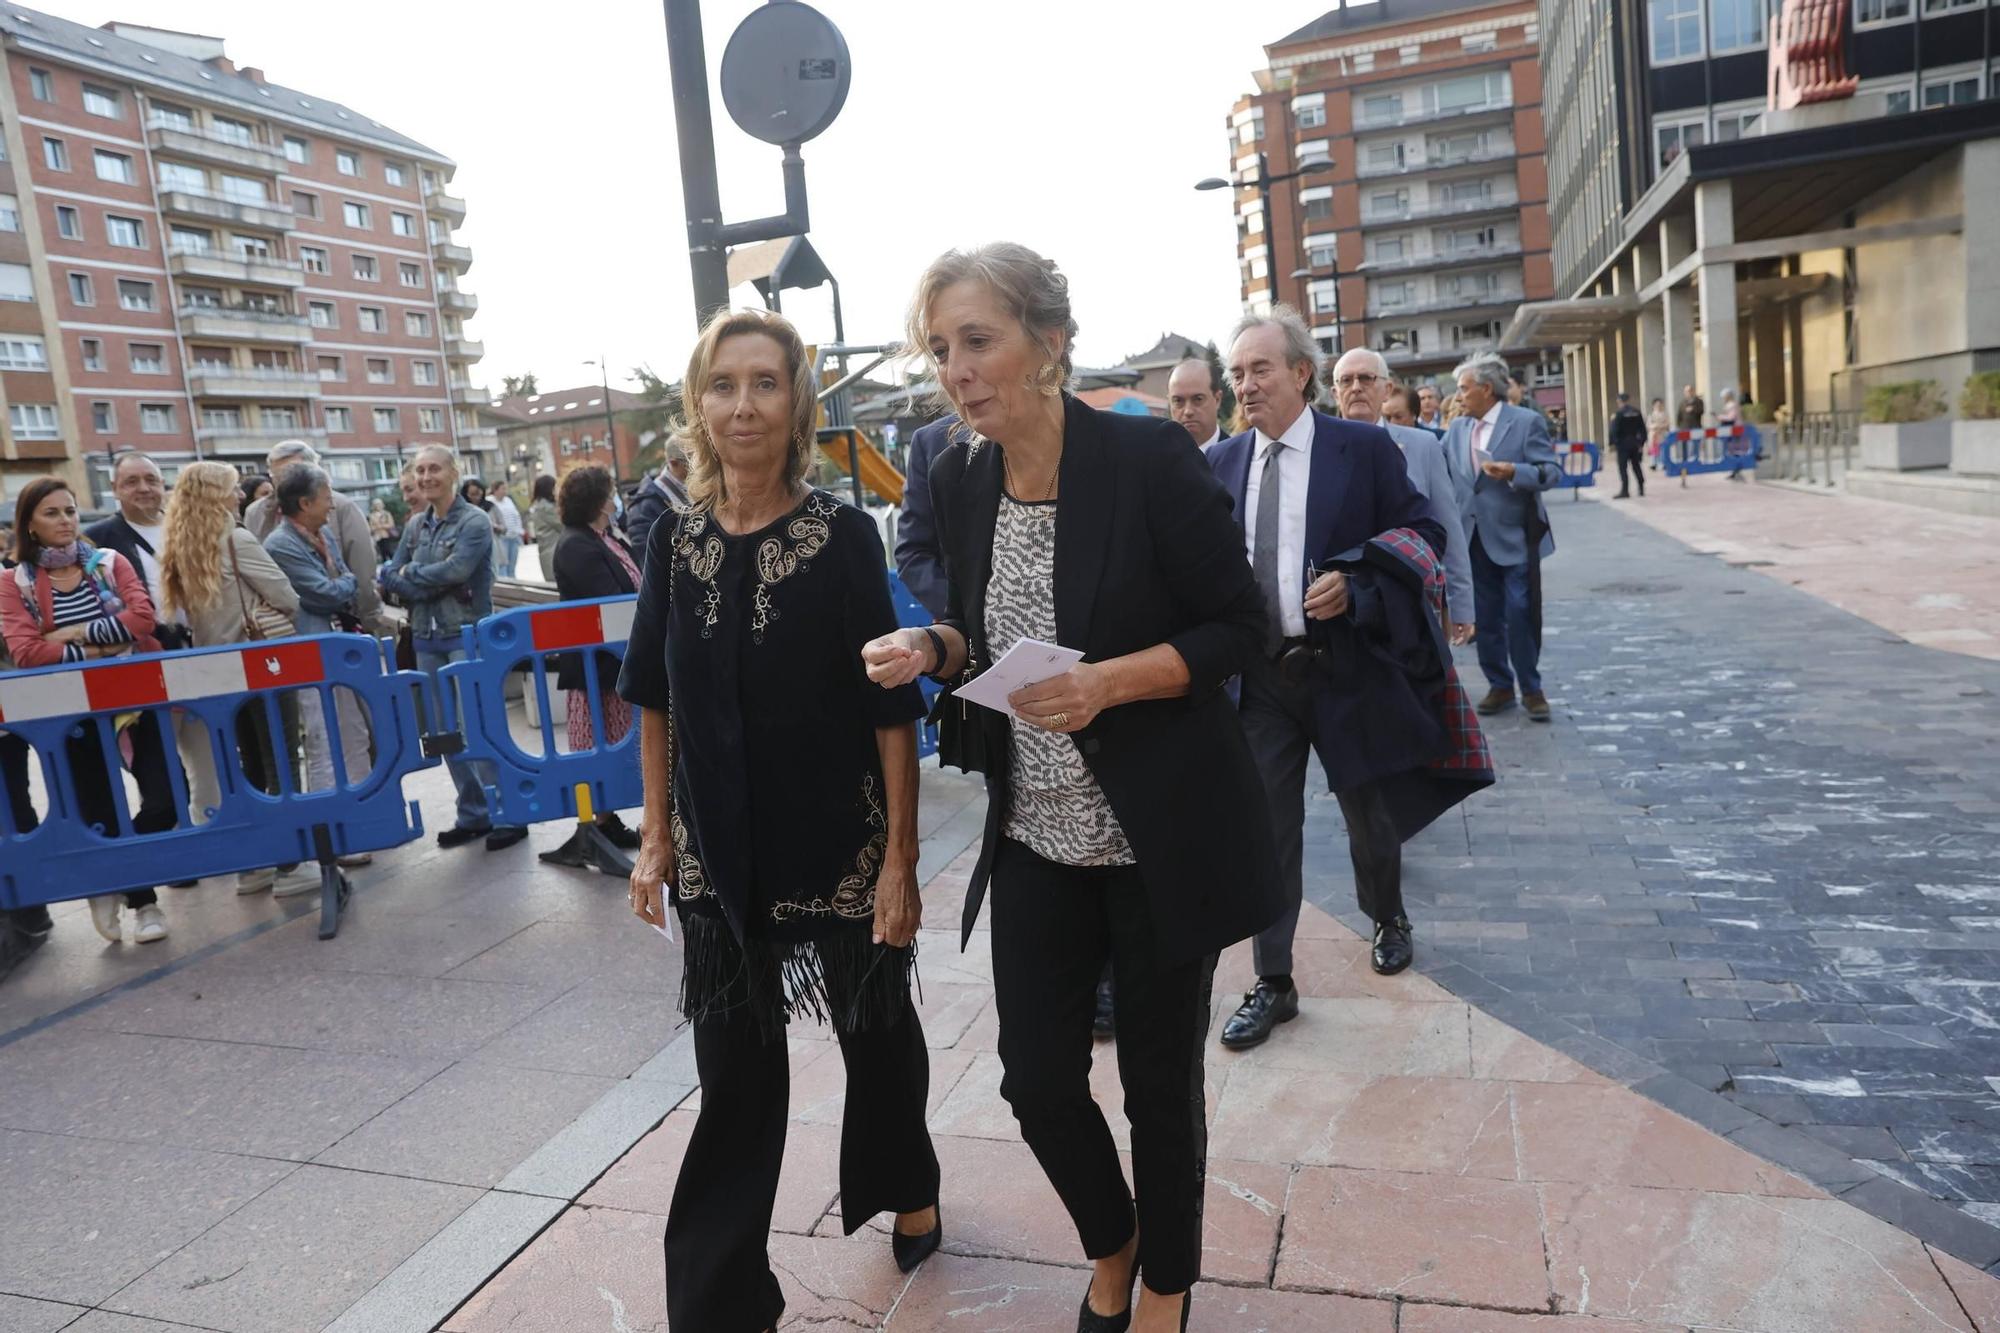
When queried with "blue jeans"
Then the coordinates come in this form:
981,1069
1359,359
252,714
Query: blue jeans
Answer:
1504,620
506,555
470,776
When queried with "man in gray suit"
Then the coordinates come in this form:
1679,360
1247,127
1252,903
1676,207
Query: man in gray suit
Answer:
1361,383
1500,463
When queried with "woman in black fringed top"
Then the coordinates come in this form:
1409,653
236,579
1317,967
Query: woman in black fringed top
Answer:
781,818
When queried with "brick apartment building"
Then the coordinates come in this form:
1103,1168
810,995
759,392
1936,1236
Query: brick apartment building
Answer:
1431,223
555,430
198,262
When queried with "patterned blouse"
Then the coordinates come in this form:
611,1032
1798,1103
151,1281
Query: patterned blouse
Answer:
1057,808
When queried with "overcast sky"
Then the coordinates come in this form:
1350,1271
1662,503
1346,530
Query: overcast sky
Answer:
1077,127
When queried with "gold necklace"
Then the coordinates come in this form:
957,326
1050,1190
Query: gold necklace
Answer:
1008,469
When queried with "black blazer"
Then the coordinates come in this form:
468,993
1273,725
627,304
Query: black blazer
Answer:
1146,553
115,534
585,568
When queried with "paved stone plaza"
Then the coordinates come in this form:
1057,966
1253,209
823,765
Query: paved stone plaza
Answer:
1701,1025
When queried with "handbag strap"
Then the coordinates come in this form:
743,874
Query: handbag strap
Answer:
250,627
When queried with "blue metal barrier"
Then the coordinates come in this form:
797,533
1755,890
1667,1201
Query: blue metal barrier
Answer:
910,614
1580,462
55,708
1711,449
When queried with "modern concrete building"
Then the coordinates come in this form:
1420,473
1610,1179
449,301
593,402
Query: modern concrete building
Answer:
198,262
1430,224
1796,256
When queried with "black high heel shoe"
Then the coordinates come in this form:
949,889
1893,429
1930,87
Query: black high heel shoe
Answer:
1089,1321
913,1250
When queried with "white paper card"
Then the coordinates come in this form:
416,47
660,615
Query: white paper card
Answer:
1029,662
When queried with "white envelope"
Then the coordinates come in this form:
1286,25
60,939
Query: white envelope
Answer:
1029,662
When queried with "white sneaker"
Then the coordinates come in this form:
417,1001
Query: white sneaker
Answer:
303,878
106,911
255,881
152,924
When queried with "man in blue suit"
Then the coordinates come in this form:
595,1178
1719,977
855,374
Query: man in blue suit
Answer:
1500,464
917,559
1309,487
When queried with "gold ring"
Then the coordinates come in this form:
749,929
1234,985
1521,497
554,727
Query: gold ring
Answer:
1059,721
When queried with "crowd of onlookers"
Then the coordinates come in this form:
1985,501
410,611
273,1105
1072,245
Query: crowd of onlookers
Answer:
224,558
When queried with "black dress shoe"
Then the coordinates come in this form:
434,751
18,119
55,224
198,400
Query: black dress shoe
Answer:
1263,1009
913,1250
1104,1024
458,837
1393,951
34,921
1089,1321
621,836
505,836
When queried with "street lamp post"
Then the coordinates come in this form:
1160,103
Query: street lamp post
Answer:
610,423
1263,182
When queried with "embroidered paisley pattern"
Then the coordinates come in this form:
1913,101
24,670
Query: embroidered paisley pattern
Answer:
854,898
703,560
694,880
806,534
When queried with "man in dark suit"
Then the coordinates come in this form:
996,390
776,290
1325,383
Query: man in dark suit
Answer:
1308,487
917,558
138,531
1500,463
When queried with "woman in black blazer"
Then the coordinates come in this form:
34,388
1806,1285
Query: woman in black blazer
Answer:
1126,818
590,562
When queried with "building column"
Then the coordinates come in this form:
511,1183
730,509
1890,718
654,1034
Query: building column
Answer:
1715,225
1768,335
1650,331
1676,312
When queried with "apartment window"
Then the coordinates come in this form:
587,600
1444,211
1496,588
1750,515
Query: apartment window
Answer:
365,268
1735,25
1322,297
388,420
1675,28
1393,294
125,231
168,116
245,190
191,240
416,324
1320,251
402,224
1309,110
55,154
339,420
373,319
1486,331
207,298
69,223
1472,92
379,371
179,176
23,352
237,132
430,420
424,373
1733,125
354,215
1251,128
304,204
100,101
1954,89
1396,341
1382,109
1672,138
330,368
1386,250
1317,202
277,416
1364,61
210,358
157,418
1388,203
1385,157
320,315
81,290
1942,6
1472,238
297,149
314,258
1466,194
393,173
412,275
135,295
10,213
116,167
1475,43
222,418
42,85
34,421
1881,11
147,358
347,163
103,418
1410,55
437,230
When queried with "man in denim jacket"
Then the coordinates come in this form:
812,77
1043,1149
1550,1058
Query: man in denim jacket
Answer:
443,573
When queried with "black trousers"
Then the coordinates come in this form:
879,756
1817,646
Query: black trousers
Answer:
157,810
719,1277
1375,850
1053,927
14,756
1628,457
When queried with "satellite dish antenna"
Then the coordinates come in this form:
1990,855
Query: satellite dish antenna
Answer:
785,73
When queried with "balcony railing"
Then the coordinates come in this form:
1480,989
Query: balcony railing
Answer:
243,324
196,261
451,252
207,205
1363,123
211,145
445,205
1438,162
252,382
470,395
259,437
1425,212
1442,258
458,303
1442,352
464,349
1463,301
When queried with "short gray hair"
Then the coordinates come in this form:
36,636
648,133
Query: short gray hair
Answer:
291,451
1299,343
1488,369
1380,362
439,450
1030,288
299,484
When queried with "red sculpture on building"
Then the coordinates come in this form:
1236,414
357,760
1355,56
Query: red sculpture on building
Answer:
1809,54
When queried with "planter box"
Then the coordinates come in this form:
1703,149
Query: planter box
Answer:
1907,447
1975,448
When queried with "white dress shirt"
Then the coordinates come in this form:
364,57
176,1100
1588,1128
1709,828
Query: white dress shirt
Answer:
1482,433
1211,441
1295,474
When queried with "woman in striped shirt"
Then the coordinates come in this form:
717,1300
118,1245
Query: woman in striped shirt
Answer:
68,601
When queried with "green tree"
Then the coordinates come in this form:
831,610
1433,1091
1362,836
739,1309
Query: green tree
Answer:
1226,413
663,404
517,386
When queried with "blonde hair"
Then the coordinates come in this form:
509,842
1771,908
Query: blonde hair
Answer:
200,514
704,480
1030,288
